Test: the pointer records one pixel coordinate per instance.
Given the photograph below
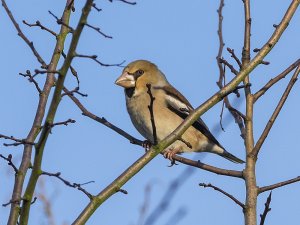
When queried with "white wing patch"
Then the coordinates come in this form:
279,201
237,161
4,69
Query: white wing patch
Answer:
178,105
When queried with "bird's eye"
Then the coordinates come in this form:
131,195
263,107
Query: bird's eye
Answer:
139,72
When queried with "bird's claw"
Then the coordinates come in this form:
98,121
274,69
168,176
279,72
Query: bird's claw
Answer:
169,155
146,145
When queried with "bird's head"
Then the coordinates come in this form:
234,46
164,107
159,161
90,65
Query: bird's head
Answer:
139,73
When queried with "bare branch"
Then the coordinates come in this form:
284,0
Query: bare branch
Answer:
76,91
232,69
16,140
276,112
233,55
127,2
266,210
278,185
66,123
216,170
95,7
38,24
136,141
9,162
274,80
94,57
40,111
98,30
32,80
221,41
68,183
224,193
61,22
21,34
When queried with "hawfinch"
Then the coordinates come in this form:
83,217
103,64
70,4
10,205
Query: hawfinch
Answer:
170,108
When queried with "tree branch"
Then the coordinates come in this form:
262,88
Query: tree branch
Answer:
68,183
276,112
274,80
267,209
155,150
35,129
278,185
224,193
9,162
52,112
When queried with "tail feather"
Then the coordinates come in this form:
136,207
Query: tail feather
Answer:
231,157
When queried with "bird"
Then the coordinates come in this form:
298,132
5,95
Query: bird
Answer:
170,108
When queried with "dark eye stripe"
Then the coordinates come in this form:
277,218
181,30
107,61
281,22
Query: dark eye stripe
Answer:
138,73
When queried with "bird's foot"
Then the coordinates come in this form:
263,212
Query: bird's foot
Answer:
168,154
146,145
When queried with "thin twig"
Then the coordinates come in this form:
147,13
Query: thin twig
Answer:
151,111
127,2
233,55
38,24
98,30
278,185
60,21
231,67
75,90
95,7
66,123
68,183
21,34
221,41
274,80
224,193
16,140
32,80
94,57
266,210
276,112
9,162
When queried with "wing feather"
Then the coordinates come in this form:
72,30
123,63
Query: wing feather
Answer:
178,104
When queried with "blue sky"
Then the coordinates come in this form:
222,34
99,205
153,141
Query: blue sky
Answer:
180,37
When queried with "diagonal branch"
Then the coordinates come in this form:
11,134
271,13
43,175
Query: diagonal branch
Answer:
274,80
9,162
21,34
136,141
111,189
276,112
68,183
278,185
224,193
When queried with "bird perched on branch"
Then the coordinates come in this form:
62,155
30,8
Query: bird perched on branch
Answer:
170,108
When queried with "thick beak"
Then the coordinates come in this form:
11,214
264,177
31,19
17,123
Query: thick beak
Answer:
125,80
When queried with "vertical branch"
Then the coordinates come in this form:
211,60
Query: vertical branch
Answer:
150,107
250,213
221,41
40,146
267,209
40,111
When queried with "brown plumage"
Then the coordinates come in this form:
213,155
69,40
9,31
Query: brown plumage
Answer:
170,109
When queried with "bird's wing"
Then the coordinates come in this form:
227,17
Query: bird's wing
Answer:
178,104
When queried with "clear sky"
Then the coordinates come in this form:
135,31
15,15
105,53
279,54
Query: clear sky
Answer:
180,37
